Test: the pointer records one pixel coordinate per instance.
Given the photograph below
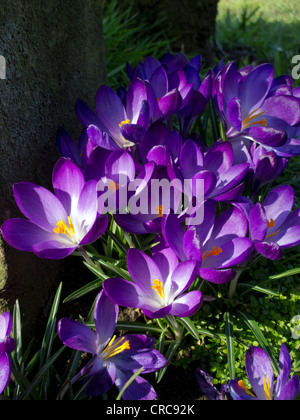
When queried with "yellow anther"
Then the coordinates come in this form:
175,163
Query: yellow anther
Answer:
124,122
248,121
215,251
113,186
159,210
62,227
271,223
116,348
267,388
158,287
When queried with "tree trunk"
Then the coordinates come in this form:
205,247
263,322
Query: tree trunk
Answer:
53,52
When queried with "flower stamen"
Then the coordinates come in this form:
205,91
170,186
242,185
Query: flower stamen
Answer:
122,123
248,120
116,348
271,223
159,210
62,227
267,388
158,287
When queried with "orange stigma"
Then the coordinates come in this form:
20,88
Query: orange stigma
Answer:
215,251
248,121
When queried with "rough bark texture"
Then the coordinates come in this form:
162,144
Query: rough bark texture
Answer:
54,53
191,22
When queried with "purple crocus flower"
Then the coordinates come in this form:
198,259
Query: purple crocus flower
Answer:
249,111
217,244
222,180
117,125
56,223
7,345
261,377
272,225
158,285
114,360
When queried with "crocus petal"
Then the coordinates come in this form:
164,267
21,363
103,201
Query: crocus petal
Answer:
133,132
68,182
285,369
102,380
187,304
291,390
284,107
217,276
120,167
39,205
182,277
173,235
278,204
230,224
5,325
101,138
143,270
139,389
234,113
128,294
166,260
85,115
268,136
170,103
5,371
77,336
219,157
53,250
190,159
191,244
234,252
258,225
258,366
269,250
66,146
96,231
136,95
255,88
237,392
110,110
105,316
22,234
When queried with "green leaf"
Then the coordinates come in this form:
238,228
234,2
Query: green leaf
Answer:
230,344
288,273
116,270
169,356
190,326
252,324
257,288
96,284
41,374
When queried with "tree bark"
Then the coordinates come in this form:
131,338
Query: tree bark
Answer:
54,52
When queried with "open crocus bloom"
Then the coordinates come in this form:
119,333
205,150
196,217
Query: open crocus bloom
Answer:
114,360
272,225
116,125
57,223
158,287
7,345
218,244
251,109
261,377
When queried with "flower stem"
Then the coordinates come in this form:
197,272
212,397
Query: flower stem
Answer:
233,284
177,329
